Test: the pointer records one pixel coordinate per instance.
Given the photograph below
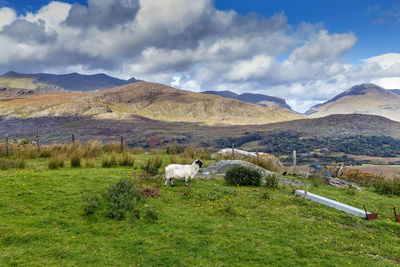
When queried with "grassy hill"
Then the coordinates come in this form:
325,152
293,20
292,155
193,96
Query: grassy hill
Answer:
150,100
361,99
209,223
70,82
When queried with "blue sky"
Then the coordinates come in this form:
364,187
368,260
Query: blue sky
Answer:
304,51
376,23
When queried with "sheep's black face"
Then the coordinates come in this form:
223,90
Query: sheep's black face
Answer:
198,162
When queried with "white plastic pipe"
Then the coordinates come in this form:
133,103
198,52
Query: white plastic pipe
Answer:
331,203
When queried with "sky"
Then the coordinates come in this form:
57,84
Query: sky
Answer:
303,51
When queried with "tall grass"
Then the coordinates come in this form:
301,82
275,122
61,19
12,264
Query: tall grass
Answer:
76,159
153,165
196,153
109,161
381,184
56,162
265,163
6,164
126,160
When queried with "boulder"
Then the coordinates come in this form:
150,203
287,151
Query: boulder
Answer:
221,167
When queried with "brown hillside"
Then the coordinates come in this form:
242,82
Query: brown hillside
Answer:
151,100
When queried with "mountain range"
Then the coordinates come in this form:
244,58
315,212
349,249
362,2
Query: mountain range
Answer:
150,100
102,96
259,99
69,82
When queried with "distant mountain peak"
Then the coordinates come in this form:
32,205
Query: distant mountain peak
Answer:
367,98
72,82
259,99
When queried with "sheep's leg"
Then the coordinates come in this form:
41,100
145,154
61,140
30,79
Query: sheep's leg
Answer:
186,181
172,182
166,181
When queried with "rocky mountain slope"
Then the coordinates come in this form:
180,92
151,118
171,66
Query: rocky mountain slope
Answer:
149,100
71,82
260,99
361,99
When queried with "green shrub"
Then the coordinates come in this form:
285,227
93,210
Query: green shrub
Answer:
126,160
239,175
388,186
121,198
152,165
76,160
56,162
271,181
109,161
90,204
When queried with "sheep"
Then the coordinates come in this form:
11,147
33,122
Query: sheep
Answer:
180,172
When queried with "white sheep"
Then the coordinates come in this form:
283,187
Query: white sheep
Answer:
181,172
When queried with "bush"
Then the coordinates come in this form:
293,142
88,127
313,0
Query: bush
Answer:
239,175
271,181
152,165
90,204
76,160
56,162
121,198
109,161
389,187
126,160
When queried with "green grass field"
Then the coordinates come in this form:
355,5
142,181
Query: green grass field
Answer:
207,224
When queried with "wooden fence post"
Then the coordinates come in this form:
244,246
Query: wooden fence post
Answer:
122,143
257,155
6,146
233,151
294,161
73,140
37,141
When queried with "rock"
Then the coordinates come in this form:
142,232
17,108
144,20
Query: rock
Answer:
221,167
317,168
341,183
243,153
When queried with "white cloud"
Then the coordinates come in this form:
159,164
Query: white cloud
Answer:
190,45
7,16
